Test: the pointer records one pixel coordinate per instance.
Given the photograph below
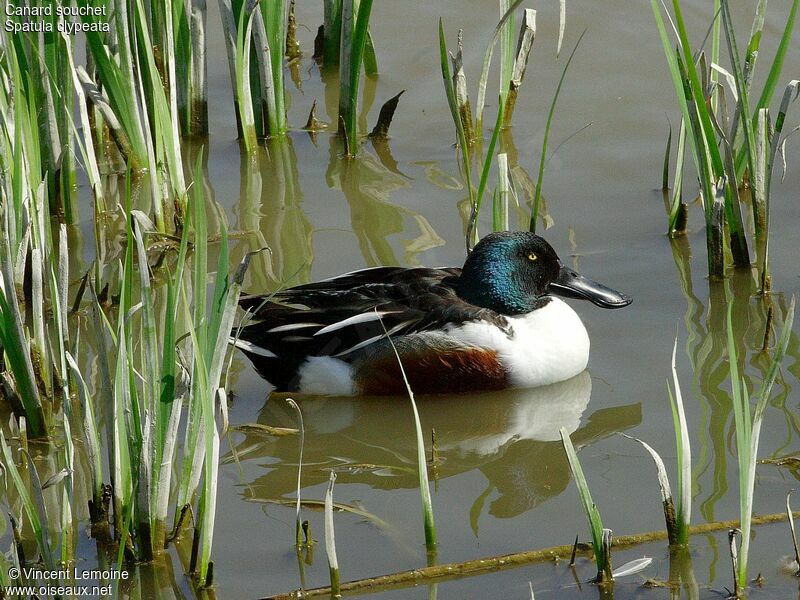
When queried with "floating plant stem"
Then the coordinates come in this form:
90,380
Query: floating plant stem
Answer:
734,554
490,564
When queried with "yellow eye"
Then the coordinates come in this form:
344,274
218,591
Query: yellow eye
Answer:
532,256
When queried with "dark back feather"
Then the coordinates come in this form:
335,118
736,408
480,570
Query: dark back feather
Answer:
336,317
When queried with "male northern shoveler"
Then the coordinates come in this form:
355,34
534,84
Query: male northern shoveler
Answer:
490,325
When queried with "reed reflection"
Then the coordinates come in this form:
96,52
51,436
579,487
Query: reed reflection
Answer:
368,184
707,349
755,323
271,213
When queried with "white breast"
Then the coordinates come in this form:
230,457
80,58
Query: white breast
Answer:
548,345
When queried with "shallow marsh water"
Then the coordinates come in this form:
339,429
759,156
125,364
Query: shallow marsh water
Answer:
502,484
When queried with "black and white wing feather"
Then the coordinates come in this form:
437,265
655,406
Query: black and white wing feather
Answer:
340,316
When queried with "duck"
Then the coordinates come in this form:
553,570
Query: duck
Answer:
498,322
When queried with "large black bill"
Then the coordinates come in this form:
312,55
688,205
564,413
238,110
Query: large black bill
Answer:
571,284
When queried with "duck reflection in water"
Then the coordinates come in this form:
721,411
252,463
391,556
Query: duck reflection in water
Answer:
512,437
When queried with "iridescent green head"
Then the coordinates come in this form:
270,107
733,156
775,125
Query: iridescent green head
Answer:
514,272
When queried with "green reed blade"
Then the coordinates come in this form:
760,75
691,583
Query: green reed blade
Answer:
164,110
677,192
244,95
34,506
738,241
777,63
747,430
684,452
90,432
665,488
506,50
487,60
589,507
355,24
742,79
472,226
332,31
422,463
275,16
15,344
370,58
461,138
537,198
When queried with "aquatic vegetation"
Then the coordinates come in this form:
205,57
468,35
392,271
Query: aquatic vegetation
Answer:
344,41
33,504
790,518
748,429
37,367
353,42
512,71
110,356
127,93
256,70
458,109
727,149
537,198
48,89
189,35
330,538
328,44
422,463
140,393
677,518
601,537
298,523
241,67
